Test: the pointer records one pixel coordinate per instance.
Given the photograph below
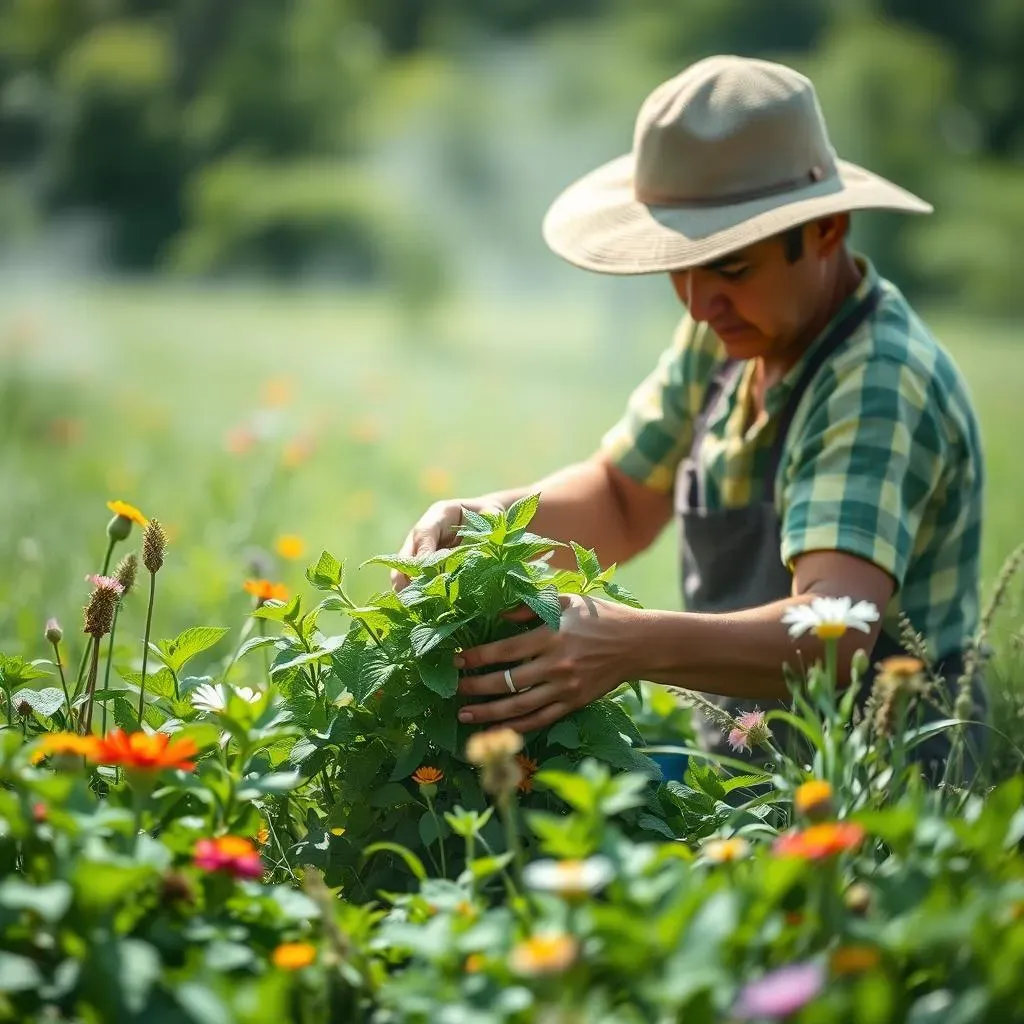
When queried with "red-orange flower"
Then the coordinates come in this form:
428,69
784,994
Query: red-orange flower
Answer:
66,743
820,841
426,775
147,752
234,855
264,590
528,767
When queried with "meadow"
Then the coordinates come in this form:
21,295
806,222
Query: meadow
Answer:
237,416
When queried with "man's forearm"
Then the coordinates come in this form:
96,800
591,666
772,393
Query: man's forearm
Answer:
737,654
577,504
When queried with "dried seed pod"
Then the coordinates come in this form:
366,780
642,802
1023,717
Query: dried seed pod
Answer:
126,571
99,612
153,544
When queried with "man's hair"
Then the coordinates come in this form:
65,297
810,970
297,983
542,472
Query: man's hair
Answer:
793,243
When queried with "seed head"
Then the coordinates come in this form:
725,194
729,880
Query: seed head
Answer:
99,612
153,543
54,634
24,709
125,572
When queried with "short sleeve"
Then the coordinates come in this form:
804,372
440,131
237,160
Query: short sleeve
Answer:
862,466
656,429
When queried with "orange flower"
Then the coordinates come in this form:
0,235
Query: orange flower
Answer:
277,392
474,963
234,855
544,954
67,743
263,835
122,508
901,666
794,918
813,798
820,841
264,590
239,440
147,752
854,959
297,451
290,546
528,767
293,956
425,775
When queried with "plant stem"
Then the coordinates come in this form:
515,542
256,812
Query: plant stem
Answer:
266,657
440,838
145,644
242,637
63,681
85,653
507,804
91,685
106,671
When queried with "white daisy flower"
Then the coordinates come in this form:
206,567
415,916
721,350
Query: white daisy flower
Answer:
569,877
830,617
208,697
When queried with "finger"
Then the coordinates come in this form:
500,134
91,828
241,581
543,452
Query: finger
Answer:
512,707
513,648
494,684
541,719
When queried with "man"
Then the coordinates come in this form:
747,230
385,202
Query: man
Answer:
805,429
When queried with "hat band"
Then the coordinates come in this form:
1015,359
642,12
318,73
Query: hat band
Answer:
811,177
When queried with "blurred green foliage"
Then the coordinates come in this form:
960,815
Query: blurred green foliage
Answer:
213,136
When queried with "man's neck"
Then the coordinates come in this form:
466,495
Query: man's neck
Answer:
845,281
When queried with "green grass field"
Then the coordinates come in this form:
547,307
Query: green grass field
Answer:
141,392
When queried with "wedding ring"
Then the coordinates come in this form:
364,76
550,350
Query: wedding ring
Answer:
508,682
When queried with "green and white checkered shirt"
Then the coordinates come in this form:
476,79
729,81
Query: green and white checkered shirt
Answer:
883,459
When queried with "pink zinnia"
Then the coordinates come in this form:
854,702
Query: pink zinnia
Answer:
233,854
780,993
750,729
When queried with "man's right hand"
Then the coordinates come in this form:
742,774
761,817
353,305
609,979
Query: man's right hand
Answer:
436,529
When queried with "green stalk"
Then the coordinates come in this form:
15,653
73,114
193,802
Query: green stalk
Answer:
437,828
145,644
106,671
94,666
85,653
63,681
507,804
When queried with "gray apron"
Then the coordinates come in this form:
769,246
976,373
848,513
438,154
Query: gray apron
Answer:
731,556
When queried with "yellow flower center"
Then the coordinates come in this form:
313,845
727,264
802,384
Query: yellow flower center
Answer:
830,630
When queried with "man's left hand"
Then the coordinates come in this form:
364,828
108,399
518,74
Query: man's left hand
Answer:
588,657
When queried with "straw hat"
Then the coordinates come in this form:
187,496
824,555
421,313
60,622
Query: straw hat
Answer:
728,152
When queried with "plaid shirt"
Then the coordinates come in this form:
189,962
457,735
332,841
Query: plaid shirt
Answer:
883,459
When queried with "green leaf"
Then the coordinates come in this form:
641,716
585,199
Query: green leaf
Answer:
573,789
438,673
432,829
587,561
18,973
410,758
566,733
621,594
391,794
520,512
484,867
186,645
49,901
546,603
255,642
413,862
44,702
652,824
425,637
406,564
441,728
704,778
160,683
202,1004
327,574
139,968
15,670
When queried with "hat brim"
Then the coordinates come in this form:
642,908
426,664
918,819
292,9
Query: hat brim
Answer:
598,224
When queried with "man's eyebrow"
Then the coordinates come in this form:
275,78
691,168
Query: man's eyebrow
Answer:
724,262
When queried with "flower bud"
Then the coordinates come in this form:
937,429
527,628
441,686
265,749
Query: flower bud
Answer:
119,527
858,899
861,662
54,634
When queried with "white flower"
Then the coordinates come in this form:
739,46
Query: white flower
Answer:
569,877
215,698
830,617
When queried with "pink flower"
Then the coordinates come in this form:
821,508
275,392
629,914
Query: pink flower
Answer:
106,582
780,993
750,729
233,854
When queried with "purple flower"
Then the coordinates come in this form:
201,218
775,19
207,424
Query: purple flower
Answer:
780,993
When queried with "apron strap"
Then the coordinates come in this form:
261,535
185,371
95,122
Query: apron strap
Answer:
839,335
721,382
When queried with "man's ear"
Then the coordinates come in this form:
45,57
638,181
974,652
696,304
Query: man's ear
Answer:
830,232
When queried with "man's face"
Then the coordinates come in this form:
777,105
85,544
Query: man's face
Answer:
759,302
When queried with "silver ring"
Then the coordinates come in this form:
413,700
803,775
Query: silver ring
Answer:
508,682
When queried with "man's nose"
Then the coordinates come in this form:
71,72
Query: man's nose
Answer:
701,294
